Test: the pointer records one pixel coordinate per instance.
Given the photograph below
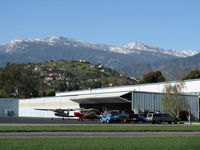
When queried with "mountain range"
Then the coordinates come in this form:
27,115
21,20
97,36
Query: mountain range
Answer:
133,59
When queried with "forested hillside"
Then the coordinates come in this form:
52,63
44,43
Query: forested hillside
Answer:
44,79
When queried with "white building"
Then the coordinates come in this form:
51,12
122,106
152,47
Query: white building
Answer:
121,97
27,107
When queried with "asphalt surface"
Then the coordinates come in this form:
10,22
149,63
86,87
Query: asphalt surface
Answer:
59,121
92,134
56,121
19,121
45,121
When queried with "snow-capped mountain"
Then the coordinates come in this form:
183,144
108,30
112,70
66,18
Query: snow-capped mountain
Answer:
115,57
153,49
134,47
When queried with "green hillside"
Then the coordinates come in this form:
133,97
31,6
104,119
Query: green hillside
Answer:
44,79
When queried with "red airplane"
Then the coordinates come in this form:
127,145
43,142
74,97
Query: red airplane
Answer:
90,114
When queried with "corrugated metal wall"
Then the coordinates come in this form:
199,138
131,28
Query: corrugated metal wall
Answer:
146,101
143,101
193,103
9,106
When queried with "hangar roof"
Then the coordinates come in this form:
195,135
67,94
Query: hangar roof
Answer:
101,98
191,86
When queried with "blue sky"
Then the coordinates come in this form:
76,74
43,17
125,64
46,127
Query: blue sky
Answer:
170,24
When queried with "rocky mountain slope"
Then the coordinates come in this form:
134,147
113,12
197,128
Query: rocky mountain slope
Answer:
172,70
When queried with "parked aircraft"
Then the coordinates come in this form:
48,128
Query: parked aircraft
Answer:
90,113
81,113
60,112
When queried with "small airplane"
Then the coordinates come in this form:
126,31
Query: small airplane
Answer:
90,113
59,112
81,113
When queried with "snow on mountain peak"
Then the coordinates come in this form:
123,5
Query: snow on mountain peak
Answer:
54,38
15,44
141,46
135,45
131,48
183,53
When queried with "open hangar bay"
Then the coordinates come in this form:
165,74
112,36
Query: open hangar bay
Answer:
139,98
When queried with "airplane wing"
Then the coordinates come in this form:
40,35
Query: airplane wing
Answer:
59,112
45,109
56,109
89,109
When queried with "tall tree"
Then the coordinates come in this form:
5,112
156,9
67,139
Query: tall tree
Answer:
173,101
20,80
194,74
153,77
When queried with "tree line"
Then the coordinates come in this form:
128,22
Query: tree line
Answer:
25,81
157,76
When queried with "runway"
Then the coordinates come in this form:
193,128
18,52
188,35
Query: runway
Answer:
92,134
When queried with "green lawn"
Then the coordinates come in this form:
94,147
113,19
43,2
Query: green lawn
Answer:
98,128
142,143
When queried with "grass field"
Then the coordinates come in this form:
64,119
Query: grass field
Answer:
144,143
98,128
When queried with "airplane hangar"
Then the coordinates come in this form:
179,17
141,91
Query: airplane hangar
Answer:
139,98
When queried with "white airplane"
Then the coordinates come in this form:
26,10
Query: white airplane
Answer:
81,113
